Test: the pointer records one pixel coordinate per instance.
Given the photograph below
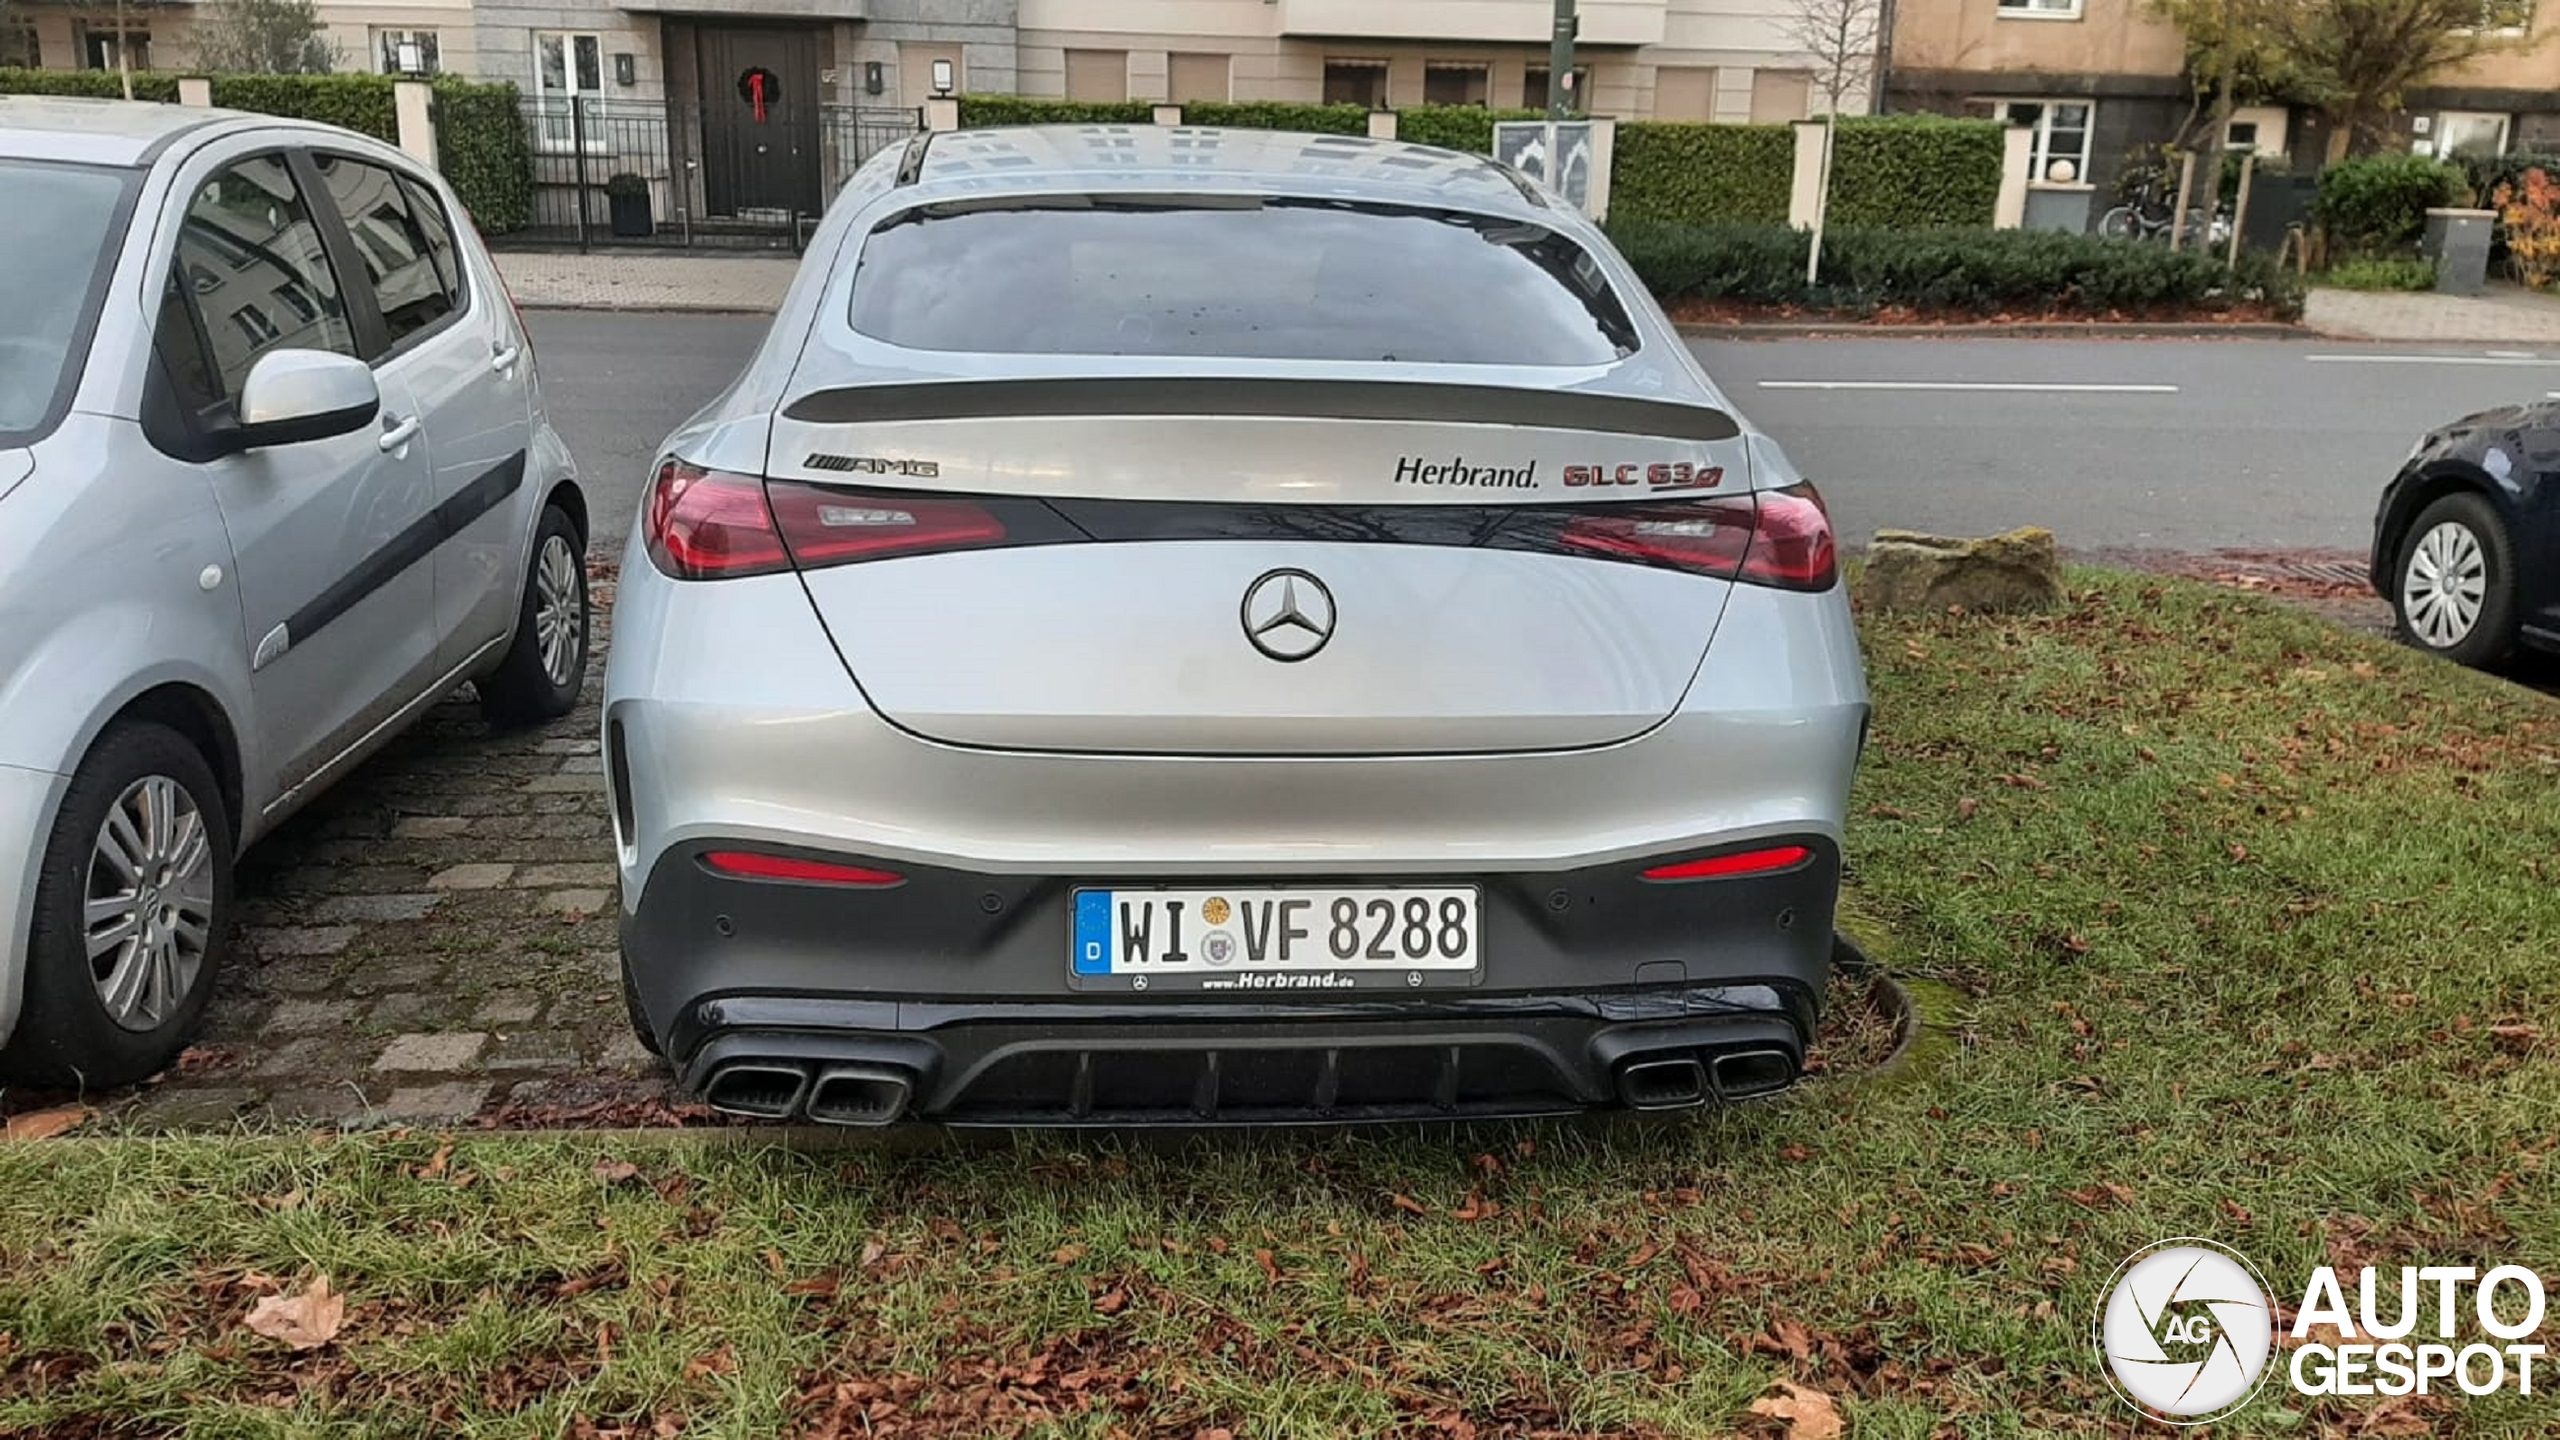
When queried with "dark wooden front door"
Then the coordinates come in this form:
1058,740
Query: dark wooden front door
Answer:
759,118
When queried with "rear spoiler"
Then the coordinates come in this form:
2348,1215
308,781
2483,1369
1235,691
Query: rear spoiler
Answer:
1217,397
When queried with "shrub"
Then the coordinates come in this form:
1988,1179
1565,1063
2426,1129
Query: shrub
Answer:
1958,271
983,111
361,103
1672,172
1279,115
2380,202
1913,172
1456,127
2530,210
2381,272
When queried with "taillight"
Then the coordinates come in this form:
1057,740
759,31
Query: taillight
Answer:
755,865
1720,867
710,525
1791,545
826,526
1779,538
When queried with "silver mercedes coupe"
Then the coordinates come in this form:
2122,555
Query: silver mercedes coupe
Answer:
1182,626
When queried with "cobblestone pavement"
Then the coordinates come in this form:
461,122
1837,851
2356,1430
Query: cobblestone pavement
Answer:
430,941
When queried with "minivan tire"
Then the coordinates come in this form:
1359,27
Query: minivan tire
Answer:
535,682
66,1036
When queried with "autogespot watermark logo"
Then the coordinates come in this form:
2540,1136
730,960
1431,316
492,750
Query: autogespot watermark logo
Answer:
2187,1332
2184,1329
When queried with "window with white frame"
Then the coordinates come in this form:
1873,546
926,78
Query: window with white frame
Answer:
405,52
567,68
2060,152
2040,9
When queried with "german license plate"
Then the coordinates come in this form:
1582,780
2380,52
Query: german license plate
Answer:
1314,937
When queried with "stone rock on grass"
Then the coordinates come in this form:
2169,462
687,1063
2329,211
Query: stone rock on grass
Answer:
1907,570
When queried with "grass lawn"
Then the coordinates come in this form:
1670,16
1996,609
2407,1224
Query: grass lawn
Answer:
2236,926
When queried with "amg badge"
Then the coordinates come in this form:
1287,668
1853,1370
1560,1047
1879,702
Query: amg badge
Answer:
873,465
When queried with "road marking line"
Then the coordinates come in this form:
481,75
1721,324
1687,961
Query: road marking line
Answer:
2006,386
2502,359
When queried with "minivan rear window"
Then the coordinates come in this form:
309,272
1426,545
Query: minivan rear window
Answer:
1247,277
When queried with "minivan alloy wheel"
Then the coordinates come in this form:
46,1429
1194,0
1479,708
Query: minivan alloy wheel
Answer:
147,916
556,616
2444,584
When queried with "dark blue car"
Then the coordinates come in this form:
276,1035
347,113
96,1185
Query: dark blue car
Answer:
2466,546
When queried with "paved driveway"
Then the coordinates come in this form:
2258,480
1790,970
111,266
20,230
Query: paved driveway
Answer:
432,939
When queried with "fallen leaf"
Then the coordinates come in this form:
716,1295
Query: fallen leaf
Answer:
1807,1413
1113,1301
304,1322
1966,806
1067,1254
435,1166
45,1124
1411,1206
2515,1039
1270,1266
615,1172
817,1287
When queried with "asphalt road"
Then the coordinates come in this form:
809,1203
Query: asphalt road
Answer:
2167,444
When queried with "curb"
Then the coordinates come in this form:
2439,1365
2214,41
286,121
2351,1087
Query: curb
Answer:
2018,330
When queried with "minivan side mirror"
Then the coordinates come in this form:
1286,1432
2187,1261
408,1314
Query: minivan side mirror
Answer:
296,395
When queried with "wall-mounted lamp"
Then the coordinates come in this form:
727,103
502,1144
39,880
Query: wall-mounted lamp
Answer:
943,79
872,81
626,71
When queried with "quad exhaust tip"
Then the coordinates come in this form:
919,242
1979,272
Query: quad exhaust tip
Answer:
755,1090
1669,1082
859,1095
1742,1074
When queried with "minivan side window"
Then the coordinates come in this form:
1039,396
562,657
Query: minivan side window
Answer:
398,252
251,275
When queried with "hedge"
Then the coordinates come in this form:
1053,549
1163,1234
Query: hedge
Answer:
479,129
978,112
1456,127
1279,115
1672,172
1952,271
482,149
1913,172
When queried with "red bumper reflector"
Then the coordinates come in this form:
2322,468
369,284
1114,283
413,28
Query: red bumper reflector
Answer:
1749,862
746,864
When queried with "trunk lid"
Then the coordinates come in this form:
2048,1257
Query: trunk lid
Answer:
1291,567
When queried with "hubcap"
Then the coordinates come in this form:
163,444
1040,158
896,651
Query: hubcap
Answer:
2445,585
558,612
147,914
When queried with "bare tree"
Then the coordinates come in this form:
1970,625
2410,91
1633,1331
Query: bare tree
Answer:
1840,38
264,37
2363,56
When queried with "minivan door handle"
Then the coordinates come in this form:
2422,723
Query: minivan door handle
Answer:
503,357
397,433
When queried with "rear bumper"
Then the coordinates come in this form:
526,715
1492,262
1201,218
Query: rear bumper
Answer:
1598,988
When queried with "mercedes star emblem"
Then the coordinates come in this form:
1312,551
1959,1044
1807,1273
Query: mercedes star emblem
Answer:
1288,614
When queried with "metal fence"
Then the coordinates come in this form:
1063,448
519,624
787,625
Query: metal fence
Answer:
624,172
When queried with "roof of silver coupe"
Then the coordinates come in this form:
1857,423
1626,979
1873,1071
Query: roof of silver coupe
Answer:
1051,157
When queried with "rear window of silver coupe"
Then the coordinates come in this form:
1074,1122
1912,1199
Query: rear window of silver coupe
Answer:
1244,277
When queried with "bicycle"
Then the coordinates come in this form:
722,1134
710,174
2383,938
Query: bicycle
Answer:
2146,217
